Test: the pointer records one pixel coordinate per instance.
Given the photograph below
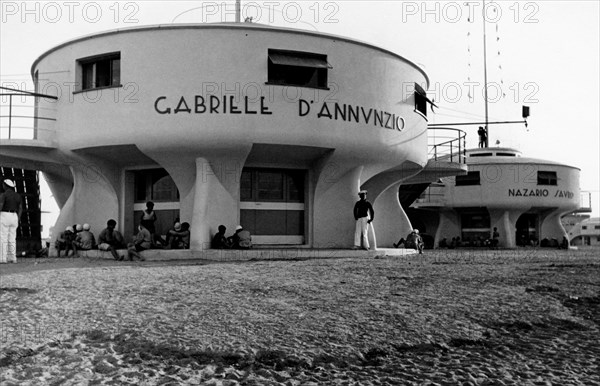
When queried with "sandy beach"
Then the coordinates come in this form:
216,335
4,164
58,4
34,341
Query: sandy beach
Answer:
461,317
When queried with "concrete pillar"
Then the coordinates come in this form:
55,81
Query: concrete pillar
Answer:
449,226
215,203
333,223
93,200
391,223
551,226
505,221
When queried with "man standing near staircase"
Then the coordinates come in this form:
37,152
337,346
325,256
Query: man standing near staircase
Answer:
11,207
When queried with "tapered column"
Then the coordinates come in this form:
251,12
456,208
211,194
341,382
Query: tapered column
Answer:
391,222
334,222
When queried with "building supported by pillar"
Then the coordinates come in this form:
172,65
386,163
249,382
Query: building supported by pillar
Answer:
271,128
524,198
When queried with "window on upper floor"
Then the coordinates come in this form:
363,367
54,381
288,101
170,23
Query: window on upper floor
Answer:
421,100
472,178
296,68
546,178
100,71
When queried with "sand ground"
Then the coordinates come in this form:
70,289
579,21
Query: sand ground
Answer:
462,317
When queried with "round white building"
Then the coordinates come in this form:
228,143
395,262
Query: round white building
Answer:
271,128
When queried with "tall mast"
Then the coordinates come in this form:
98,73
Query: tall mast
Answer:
485,88
238,11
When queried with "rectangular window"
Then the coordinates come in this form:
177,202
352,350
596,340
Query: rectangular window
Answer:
272,185
584,227
596,226
546,178
421,103
295,68
421,100
472,178
100,71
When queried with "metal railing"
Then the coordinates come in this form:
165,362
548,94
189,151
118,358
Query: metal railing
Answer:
18,118
447,144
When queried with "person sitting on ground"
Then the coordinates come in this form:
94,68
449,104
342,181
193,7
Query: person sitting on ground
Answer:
401,242
179,236
65,241
141,242
111,240
241,239
564,244
444,243
495,239
85,240
172,234
414,240
219,241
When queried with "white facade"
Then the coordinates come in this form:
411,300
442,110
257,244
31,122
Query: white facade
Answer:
195,115
586,232
524,198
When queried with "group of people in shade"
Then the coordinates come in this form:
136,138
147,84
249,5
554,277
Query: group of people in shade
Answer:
80,238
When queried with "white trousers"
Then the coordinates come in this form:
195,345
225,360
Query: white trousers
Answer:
8,237
361,231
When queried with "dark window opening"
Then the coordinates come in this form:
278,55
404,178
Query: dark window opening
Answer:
421,100
294,68
481,155
472,178
421,103
155,185
546,178
506,154
101,71
270,185
584,227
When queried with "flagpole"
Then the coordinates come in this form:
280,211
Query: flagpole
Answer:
485,88
238,11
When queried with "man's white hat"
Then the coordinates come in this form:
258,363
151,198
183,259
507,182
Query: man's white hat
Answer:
416,230
177,226
9,182
237,228
86,227
362,192
79,227
69,228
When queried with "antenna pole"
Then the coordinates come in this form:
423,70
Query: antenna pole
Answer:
238,11
485,88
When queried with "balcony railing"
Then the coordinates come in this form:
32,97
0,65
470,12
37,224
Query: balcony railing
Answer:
447,144
21,117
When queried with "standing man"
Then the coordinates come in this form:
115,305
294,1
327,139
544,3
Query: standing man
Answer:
363,214
11,207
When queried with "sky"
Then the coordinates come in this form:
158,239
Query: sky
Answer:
543,54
